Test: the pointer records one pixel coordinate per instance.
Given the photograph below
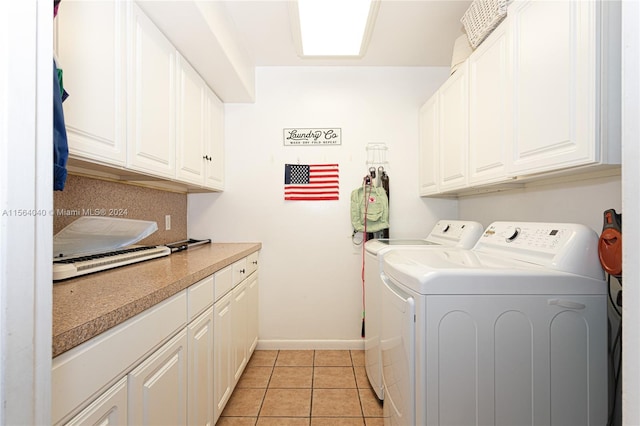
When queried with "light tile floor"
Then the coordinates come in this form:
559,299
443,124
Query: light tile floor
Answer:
310,388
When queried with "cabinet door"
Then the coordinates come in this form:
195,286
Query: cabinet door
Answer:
252,313
151,141
429,139
109,409
90,39
454,131
554,84
222,347
239,329
200,396
158,386
214,142
490,108
190,140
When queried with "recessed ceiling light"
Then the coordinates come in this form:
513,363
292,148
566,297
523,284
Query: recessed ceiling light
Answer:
329,28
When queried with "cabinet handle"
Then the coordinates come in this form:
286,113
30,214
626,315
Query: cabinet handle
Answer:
255,262
242,271
206,157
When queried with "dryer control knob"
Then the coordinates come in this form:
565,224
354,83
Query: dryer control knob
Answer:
512,234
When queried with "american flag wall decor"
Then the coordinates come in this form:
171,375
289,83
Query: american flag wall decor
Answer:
311,182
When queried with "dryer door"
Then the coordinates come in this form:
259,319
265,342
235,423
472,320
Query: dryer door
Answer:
397,344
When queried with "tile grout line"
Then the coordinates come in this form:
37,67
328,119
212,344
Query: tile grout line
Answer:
353,371
264,396
313,385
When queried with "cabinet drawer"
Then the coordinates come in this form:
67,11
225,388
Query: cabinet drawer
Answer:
252,263
200,297
109,409
81,373
223,281
239,271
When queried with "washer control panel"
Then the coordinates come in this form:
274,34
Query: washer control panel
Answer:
534,236
561,246
456,233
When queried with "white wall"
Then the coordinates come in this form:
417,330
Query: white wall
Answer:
631,198
310,285
26,179
582,201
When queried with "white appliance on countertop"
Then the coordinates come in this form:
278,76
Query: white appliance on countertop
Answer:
512,332
445,233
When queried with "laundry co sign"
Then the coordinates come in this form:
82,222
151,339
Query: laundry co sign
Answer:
308,137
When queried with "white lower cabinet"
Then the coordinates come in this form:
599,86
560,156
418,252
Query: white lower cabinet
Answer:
235,327
252,312
239,329
158,386
109,409
174,364
222,347
200,395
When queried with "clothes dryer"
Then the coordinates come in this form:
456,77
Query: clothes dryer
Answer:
513,331
446,233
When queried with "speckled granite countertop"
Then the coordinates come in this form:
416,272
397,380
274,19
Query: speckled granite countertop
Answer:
86,306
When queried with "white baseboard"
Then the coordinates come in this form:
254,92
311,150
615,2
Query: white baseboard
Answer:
357,344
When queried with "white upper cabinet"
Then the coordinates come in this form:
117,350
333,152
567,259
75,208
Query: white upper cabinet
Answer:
214,142
90,37
151,142
564,96
490,109
190,141
429,141
539,97
137,108
454,130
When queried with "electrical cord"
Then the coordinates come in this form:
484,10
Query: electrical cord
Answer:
616,379
364,238
613,303
617,341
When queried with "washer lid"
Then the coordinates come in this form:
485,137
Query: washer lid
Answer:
457,271
447,233
375,246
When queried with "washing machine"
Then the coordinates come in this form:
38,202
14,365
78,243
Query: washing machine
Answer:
446,233
511,332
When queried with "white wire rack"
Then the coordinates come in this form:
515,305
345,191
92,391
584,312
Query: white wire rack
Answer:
377,154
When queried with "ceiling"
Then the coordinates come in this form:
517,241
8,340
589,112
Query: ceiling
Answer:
406,33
